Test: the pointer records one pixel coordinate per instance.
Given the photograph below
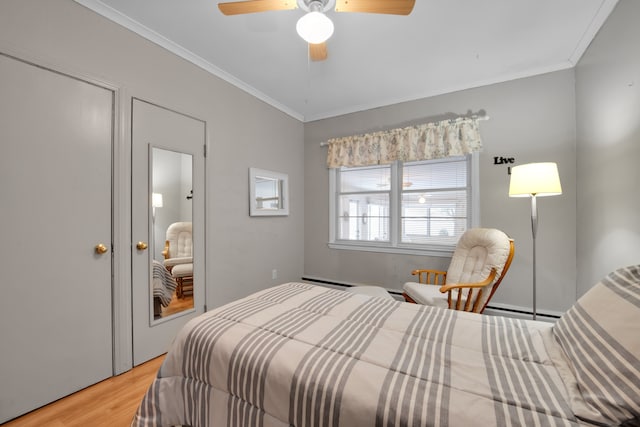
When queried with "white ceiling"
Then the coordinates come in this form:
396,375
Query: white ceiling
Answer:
374,60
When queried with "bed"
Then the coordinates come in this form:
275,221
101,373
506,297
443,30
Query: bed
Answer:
304,355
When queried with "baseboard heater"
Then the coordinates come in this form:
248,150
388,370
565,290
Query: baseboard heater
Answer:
343,284
503,310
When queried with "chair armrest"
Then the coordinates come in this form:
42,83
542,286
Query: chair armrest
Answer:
450,286
165,252
469,298
430,277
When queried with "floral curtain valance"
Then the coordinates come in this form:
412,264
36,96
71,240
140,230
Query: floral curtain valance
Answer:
437,140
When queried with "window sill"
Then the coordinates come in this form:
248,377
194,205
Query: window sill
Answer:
442,251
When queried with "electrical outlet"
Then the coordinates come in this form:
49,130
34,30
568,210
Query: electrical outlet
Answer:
274,274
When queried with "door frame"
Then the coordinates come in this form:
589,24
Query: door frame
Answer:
121,182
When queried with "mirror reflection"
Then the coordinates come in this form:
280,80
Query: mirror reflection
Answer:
268,193
171,232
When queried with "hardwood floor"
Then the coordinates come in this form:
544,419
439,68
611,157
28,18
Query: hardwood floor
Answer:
178,304
112,402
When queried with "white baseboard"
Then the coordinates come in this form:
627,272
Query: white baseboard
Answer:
494,309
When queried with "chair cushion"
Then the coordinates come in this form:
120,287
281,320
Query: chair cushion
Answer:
182,270
477,252
600,335
171,262
179,235
426,294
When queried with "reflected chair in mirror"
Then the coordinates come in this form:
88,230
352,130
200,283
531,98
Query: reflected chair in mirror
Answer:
480,261
178,256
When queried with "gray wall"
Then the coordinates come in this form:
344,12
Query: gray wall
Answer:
608,133
532,120
243,132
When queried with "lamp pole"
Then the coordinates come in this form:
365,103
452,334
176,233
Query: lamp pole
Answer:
534,230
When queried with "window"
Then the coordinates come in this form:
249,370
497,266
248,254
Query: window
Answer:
417,207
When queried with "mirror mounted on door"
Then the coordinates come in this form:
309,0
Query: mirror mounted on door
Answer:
171,213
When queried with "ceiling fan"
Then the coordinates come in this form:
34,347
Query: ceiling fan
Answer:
315,27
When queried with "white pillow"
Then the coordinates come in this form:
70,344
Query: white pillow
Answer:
600,336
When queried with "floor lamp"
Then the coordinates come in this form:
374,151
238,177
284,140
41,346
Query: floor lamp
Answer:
534,180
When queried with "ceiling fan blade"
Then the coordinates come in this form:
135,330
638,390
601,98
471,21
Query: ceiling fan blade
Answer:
318,52
389,7
253,6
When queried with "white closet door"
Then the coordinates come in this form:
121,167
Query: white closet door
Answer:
164,132
55,208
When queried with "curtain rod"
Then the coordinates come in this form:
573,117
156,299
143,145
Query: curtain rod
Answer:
480,118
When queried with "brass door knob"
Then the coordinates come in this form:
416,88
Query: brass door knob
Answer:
101,249
142,246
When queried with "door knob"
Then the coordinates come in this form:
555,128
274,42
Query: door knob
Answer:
101,249
142,246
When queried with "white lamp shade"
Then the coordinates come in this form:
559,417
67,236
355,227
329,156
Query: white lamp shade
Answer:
156,200
539,179
315,27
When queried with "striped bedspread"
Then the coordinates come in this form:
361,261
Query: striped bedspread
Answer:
164,285
303,355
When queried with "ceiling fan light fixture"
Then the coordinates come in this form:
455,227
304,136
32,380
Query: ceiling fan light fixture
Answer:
315,27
